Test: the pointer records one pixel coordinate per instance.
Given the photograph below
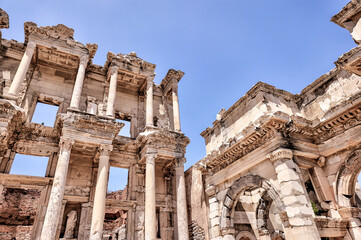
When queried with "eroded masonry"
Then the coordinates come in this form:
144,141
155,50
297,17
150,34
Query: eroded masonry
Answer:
278,165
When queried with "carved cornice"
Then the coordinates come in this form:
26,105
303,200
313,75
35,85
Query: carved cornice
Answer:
259,87
171,80
164,140
130,62
348,11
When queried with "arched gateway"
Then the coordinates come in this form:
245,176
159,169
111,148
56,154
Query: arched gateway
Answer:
236,189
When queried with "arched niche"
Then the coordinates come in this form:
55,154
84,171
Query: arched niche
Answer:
244,235
346,180
236,189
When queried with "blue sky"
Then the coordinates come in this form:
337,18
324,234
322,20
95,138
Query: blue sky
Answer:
224,47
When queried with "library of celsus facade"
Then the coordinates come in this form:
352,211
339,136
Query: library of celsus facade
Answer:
70,201
277,165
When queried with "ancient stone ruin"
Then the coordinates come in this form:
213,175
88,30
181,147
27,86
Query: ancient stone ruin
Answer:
278,165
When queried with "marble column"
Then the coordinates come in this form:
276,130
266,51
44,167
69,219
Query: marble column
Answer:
176,117
96,230
149,102
112,90
299,211
22,69
150,210
182,219
53,211
78,86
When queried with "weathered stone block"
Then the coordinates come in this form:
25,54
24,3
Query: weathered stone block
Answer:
291,188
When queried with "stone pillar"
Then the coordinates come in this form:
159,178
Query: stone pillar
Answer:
149,102
53,211
150,211
214,213
112,90
22,69
85,221
78,86
299,210
182,219
176,116
96,230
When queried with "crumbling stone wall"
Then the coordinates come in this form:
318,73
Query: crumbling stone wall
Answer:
18,209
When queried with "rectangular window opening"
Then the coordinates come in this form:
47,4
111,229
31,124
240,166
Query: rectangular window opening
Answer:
45,114
118,183
29,165
125,131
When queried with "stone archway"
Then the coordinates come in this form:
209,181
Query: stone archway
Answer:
244,235
346,180
233,193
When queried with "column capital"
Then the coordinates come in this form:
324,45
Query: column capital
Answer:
174,87
113,69
104,150
83,59
280,154
31,45
179,162
66,143
150,80
150,158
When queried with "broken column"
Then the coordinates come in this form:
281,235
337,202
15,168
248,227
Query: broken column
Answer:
57,191
150,211
299,210
96,230
78,86
149,102
182,219
22,69
112,90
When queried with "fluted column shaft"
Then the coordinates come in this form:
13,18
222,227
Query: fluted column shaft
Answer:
96,231
182,219
176,117
53,211
78,86
149,102
112,90
150,211
22,69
